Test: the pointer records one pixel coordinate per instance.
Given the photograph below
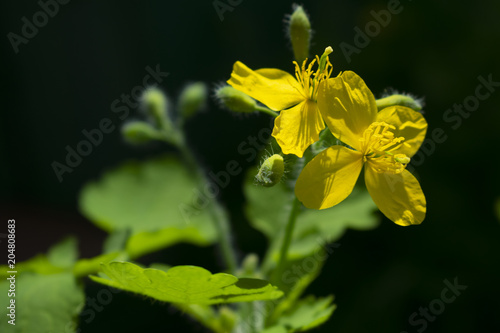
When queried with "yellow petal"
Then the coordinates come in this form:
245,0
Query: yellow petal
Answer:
329,178
273,87
348,107
398,196
409,124
297,128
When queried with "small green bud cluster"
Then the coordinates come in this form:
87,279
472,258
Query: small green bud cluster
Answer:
160,126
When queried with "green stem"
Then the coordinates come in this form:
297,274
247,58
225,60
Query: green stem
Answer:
219,215
266,110
287,240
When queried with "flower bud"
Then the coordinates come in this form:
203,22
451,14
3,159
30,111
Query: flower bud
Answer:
154,103
400,99
299,29
235,100
192,99
138,132
271,171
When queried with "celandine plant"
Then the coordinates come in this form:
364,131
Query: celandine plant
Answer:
327,130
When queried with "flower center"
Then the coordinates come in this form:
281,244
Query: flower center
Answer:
378,144
310,79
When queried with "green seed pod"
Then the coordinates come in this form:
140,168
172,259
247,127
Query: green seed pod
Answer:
399,99
139,132
271,171
299,29
235,100
192,99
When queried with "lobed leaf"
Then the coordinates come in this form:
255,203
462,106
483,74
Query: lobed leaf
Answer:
157,200
186,284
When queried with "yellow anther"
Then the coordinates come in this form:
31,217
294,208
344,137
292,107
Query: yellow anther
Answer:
378,142
308,79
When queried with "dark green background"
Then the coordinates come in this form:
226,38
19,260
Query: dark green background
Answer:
65,79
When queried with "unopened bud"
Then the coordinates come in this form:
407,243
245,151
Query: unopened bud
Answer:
192,99
138,132
235,100
154,103
271,171
299,29
400,99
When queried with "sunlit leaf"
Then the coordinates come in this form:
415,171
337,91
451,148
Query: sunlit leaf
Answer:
84,267
185,284
43,303
158,200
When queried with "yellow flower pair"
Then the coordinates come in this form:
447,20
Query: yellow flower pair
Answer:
383,142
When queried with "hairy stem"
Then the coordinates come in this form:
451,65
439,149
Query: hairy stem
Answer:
218,213
287,240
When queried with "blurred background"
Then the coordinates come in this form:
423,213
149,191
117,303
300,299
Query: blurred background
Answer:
65,79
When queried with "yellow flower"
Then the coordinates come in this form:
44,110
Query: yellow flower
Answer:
383,142
300,122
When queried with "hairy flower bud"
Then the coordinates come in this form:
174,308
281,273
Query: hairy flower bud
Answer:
400,99
192,99
138,132
235,100
299,29
154,103
271,171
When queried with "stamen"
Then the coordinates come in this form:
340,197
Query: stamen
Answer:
378,143
310,80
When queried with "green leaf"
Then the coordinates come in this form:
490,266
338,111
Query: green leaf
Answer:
64,254
84,267
221,321
43,303
157,200
150,241
297,276
268,210
307,314
186,284
59,258
116,241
